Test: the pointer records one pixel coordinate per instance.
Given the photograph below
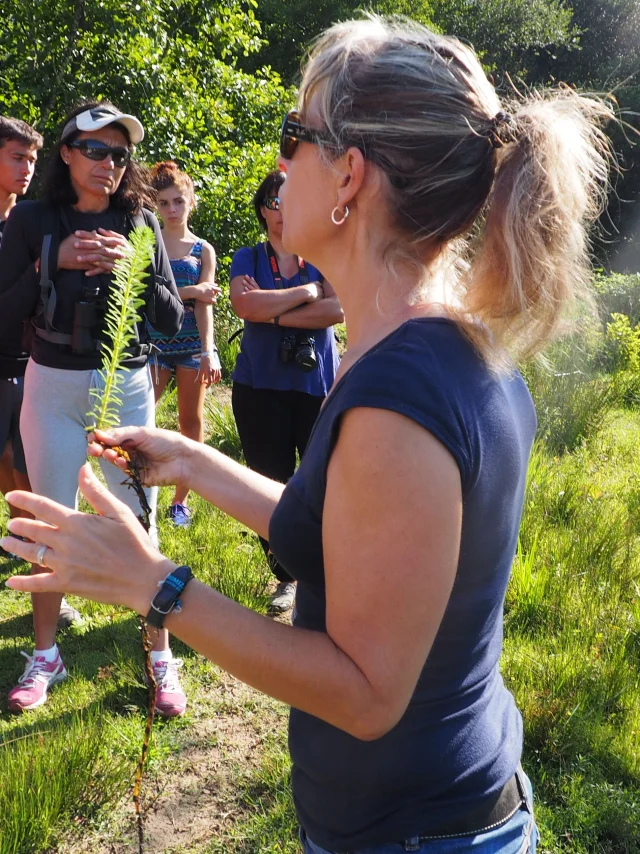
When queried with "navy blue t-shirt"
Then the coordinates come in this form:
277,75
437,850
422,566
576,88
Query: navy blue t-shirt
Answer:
258,363
461,737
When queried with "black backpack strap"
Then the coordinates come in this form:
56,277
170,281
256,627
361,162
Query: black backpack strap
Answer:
50,244
135,221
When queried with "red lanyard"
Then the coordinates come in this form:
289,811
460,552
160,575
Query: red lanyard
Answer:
275,270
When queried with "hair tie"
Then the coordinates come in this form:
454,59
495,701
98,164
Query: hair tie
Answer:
503,129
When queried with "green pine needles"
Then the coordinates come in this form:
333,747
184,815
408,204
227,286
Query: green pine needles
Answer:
125,298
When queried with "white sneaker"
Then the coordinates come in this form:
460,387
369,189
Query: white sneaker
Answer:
284,597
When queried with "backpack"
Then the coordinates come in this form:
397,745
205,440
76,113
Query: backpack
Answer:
52,219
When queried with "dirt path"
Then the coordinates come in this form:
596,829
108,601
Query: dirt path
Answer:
196,796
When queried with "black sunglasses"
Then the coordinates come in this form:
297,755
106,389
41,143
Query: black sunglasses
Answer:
96,150
294,132
271,203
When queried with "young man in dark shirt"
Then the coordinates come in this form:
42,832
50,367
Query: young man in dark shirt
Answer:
19,147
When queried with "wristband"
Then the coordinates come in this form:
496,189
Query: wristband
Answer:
167,599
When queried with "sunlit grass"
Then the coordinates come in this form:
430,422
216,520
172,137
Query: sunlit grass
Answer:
572,652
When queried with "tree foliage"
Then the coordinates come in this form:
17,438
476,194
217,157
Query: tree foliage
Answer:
173,63
206,76
506,35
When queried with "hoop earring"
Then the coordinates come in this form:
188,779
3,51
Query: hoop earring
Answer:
344,215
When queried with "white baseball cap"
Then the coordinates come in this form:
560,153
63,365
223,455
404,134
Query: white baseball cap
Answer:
100,117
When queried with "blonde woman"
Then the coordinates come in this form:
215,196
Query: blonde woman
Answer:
401,522
191,354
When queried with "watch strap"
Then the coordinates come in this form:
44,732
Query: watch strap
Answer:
167,599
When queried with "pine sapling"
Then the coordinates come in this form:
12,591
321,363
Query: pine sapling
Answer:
126,297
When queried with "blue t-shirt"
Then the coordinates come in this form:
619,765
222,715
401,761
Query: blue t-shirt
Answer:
460,739
258,363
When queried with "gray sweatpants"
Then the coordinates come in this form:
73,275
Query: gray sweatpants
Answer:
53,422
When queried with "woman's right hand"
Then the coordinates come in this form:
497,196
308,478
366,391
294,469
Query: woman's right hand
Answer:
206,292
93,251
162,456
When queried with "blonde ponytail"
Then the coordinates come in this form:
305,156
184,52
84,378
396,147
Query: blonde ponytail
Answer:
531,266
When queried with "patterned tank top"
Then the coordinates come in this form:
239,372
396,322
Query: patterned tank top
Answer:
186,342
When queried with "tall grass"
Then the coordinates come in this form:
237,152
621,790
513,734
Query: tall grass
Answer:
54,775
61,769
572,626
222,429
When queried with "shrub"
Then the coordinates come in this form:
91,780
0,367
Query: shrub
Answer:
618,294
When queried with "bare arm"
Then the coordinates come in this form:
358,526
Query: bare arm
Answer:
202,310
250,302
317,315
210,371
205,290
392,516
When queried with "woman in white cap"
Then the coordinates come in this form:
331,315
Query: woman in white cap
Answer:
58,254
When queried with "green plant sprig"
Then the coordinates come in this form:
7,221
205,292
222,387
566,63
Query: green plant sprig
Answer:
125,299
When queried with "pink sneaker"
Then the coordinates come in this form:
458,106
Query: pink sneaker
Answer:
171,701
32,688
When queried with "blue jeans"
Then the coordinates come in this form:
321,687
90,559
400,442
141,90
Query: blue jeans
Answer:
519,835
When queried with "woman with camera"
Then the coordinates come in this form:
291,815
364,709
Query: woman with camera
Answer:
56,263
454,228
288,358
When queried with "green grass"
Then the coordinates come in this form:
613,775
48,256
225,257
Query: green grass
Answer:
572,656
571,652
68,764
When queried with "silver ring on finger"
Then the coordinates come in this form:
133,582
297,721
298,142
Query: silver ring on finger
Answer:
40,557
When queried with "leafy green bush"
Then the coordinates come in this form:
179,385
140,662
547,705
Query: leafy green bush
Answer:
618,293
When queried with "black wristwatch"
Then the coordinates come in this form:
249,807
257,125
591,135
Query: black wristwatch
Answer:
167,599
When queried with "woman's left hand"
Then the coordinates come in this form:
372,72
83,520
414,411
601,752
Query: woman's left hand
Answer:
208,374
250,284
107,557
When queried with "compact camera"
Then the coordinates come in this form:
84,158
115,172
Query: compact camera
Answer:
299,349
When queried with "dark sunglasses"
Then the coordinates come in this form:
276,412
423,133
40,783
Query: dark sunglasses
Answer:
294,132
271,203
96,150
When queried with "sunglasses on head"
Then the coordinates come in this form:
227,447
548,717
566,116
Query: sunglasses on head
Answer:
271,203
96,150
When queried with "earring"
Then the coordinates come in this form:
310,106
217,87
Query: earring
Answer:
345,214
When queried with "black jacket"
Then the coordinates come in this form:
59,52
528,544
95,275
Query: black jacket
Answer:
20,286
